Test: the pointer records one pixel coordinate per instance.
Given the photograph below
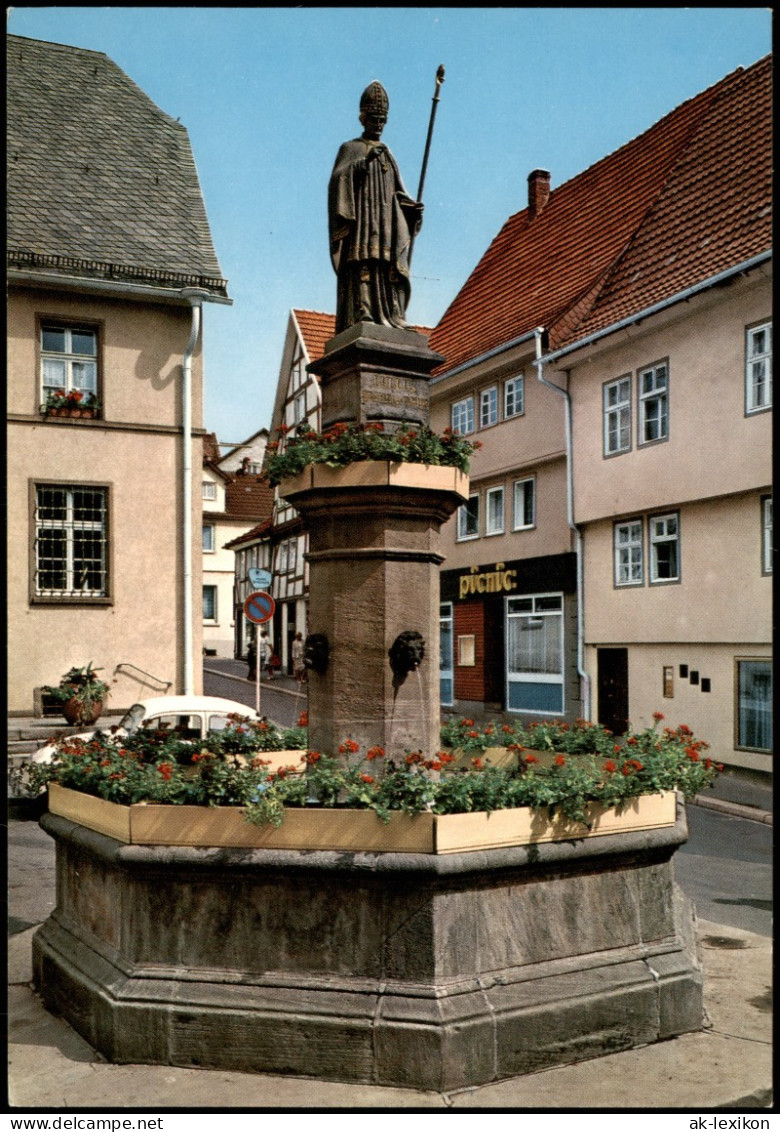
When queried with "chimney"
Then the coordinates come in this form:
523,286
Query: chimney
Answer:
538,192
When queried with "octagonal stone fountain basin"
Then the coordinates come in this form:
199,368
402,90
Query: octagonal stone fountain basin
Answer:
421,969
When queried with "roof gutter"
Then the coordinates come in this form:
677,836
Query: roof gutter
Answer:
107,286
656,308
527,337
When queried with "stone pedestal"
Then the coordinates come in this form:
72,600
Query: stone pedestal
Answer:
374,575
375,373
385,968
374,551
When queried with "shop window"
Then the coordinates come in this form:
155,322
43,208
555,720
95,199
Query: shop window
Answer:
534,636
754,705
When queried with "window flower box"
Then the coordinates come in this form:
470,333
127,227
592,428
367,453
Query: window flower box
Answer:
356,831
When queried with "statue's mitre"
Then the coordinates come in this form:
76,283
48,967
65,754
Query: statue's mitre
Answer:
374,98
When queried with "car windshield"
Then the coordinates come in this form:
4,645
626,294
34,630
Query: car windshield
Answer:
131,720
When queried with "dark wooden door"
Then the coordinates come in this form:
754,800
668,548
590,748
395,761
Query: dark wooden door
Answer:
613,689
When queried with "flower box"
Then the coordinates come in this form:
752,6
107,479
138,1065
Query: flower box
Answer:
378,473
357,831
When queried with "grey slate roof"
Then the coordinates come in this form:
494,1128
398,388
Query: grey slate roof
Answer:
101,182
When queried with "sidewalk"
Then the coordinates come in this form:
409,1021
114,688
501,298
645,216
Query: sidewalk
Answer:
728,1065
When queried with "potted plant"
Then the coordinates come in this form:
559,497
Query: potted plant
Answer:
81,694
72,404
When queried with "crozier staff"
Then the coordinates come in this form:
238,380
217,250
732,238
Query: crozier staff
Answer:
371,220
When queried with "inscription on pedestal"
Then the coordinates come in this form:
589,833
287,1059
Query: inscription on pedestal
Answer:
397,398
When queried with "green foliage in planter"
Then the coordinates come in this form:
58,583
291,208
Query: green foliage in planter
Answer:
226,770
344,444
82,684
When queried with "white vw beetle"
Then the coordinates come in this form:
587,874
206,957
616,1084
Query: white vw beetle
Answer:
187,717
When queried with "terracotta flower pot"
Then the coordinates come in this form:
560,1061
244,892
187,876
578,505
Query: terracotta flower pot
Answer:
78,712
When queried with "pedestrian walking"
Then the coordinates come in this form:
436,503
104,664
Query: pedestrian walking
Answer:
266,656
299,668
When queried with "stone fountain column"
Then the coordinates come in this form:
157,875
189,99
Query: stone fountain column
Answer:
374,553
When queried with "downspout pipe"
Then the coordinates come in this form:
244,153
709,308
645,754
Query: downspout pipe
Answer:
194,297
584,677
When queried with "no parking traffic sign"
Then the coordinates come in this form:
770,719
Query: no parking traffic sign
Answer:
259,607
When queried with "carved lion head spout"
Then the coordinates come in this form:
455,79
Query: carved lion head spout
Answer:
316,653
406,654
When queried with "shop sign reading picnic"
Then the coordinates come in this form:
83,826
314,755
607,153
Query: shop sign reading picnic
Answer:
498,580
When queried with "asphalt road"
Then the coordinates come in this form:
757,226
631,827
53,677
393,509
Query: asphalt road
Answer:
726,869
280,700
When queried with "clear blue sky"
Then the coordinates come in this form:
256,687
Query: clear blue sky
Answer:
268,95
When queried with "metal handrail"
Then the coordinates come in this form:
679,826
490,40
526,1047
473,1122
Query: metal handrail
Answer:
125,664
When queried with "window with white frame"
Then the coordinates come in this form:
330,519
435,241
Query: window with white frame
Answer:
209,603
463,416
758,368
534,647
664,548
71,541
629,564
754,704
514,397
208,537
654,403
468,519
524,506
617,416
299,407
69,363
766,534
494,511
488,407
209,489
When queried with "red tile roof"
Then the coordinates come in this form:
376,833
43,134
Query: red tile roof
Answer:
675,206
317,329
248,497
